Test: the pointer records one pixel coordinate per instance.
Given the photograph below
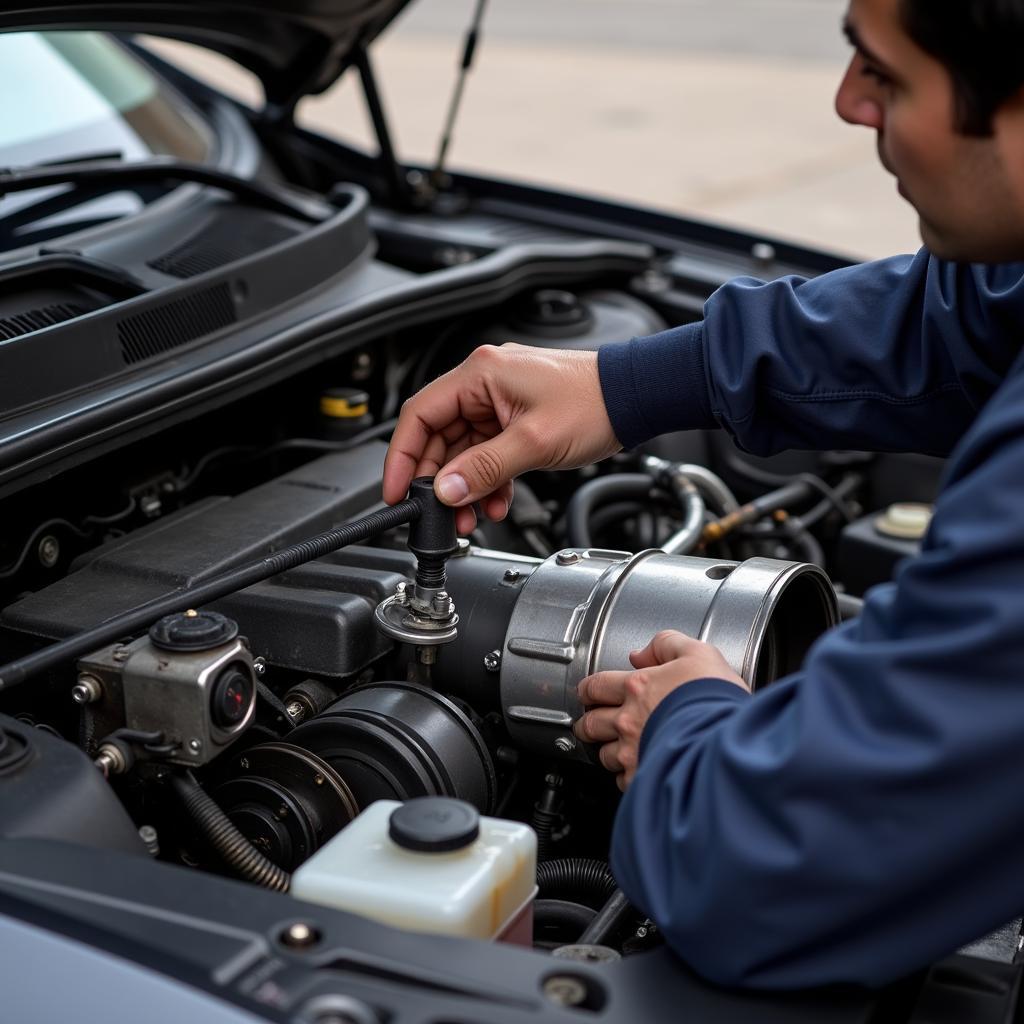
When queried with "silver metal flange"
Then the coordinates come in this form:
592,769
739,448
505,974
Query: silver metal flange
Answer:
420,619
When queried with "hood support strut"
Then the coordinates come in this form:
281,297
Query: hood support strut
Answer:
399,185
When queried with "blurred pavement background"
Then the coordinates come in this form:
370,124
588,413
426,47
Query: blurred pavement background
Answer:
717,109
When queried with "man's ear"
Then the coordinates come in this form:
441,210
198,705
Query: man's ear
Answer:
1008,128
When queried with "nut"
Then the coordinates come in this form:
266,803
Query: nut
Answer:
565,990
511,575
48,551
110,760
300,935
87,690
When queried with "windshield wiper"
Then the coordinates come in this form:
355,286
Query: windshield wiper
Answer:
93,173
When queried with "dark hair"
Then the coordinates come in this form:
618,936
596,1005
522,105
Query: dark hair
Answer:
981,44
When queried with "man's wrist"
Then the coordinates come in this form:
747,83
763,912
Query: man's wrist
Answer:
698,692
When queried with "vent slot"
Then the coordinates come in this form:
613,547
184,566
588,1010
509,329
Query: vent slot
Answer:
225,241
176,323
30,320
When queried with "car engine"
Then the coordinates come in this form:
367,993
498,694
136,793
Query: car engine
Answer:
238,734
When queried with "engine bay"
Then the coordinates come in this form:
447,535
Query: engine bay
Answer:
239,736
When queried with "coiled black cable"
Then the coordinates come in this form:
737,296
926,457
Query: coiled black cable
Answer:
238,853
576,879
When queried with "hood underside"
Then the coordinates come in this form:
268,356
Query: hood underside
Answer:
295,47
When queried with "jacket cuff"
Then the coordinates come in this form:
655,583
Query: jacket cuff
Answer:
705,692
656,385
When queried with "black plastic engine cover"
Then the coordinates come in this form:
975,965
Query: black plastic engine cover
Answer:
49,789
316,619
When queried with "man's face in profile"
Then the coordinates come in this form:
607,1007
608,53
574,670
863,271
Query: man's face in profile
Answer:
968,191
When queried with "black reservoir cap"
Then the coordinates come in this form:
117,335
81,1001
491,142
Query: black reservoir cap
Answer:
434,824
193,631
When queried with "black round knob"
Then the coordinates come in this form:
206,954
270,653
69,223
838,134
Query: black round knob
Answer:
193,631
231,696
434,824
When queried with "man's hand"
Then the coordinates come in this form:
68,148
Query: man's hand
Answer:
621,702
500,413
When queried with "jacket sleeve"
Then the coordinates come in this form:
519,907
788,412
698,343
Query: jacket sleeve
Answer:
864,817
895,355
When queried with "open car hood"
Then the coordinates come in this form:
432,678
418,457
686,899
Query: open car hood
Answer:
294,46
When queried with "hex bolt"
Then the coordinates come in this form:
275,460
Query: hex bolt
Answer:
492,661
511,575
565,990
87,690
296,712
300,935
402,593
48,551
110,760
149,837
565,744
194,746
120,653
567,557
259,666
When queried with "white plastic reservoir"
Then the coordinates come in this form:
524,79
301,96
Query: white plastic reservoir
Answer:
429,865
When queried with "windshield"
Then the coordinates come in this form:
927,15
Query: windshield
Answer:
82,94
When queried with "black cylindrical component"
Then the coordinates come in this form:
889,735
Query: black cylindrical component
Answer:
286,801
486,588
312,695
192,631
432,537
609,920
560,921
600,491
547,814
237,852
344,413
396,741
584,881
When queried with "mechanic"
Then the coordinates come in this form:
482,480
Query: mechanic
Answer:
865,816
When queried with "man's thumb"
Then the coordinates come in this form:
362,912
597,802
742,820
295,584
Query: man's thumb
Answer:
482,469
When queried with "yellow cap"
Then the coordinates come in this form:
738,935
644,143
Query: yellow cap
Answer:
342,408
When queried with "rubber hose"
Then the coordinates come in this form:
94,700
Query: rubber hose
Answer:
573,917
849,606
600,491
685,539
237,852
542,821
607,921
586,881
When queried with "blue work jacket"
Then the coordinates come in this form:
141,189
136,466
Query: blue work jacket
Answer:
865,816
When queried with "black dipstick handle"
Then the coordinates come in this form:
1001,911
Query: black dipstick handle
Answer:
432,537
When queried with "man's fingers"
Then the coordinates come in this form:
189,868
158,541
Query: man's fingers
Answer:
610,755
667,645
465,521
607,688
597,726
485,468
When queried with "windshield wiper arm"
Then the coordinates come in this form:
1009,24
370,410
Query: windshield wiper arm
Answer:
112,172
